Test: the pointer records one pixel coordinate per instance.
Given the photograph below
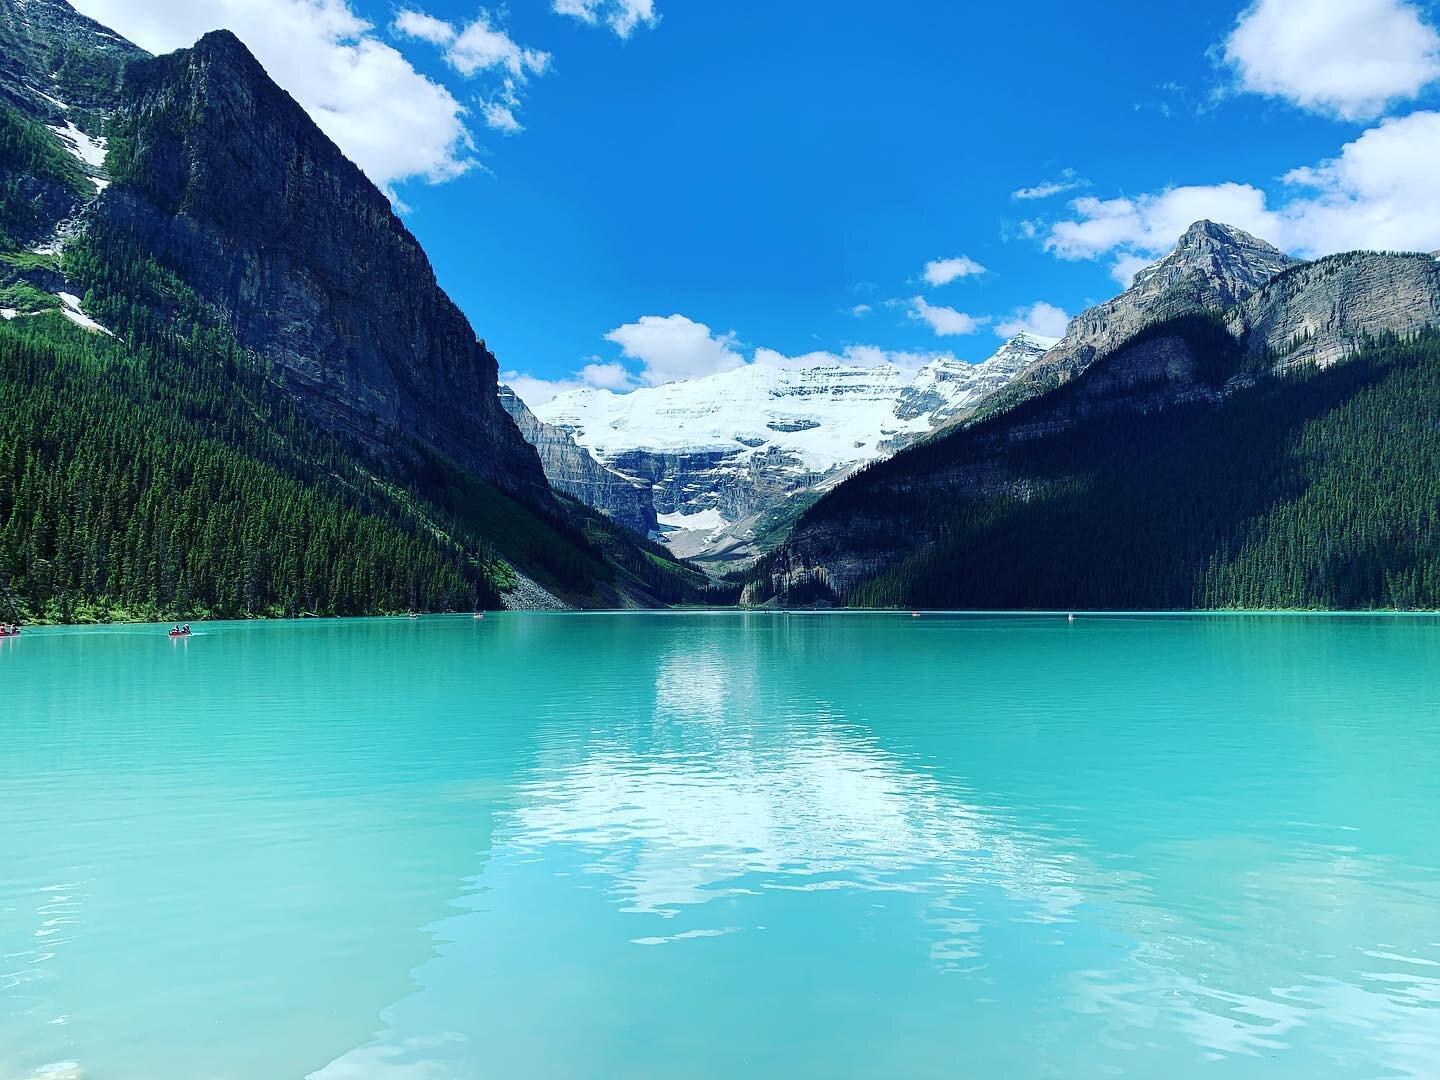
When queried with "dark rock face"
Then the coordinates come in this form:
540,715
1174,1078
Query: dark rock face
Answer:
58,70
1213,266
227,181
51,53
571,469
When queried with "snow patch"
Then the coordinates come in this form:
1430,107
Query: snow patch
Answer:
8,313
53,100
90,151
710,520
100,185
79,318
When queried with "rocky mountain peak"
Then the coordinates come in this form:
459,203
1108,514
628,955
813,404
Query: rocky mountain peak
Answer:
231,186
1220,264
56,65
1213,266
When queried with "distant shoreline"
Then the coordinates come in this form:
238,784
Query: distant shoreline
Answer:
980,613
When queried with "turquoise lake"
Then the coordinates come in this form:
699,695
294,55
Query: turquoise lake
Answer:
719,845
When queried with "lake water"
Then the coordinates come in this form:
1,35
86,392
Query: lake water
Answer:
715,845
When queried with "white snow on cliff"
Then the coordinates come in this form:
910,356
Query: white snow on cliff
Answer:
90,151
825,414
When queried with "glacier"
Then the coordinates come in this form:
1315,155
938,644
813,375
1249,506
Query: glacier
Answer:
722,452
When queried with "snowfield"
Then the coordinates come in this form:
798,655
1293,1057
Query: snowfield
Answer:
822,415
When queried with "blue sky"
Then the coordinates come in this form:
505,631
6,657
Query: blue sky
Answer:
656,188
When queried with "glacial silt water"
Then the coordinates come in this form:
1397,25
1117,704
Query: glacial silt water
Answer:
715,845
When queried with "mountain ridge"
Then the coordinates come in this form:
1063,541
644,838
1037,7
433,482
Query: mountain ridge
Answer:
223,177
229,277
1193,361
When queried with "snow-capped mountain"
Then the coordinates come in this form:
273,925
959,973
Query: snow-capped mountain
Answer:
721,452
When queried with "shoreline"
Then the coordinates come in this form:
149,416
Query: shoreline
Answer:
1080,615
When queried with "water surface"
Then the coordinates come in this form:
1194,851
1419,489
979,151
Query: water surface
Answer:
714,845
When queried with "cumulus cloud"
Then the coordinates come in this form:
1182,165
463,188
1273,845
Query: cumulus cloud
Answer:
417,24
943,271
1378,192
536,392
478,48
860,310
672,347
1346,58
621,16
390,120
1067,181
944,321
1040,319
691,347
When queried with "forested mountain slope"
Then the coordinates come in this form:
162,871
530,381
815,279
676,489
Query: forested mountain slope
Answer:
233,385
1279,452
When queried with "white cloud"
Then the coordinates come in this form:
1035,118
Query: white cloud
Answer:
1126,267
536,392
945,321
861,310
1150,224
621,16
1347,58
417,24
388,118
674,347
1068,181
678,336
482,47
478,48
1378,192
943,271
1040,319
609,376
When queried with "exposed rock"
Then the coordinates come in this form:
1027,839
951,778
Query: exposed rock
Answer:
1213,266
58,71
743,444
528,595
572,469
56,65
229,183
1320,312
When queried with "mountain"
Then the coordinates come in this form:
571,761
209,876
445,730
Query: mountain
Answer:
236,387
222,178
1257,442
725,456
572,469
59,76
1212,266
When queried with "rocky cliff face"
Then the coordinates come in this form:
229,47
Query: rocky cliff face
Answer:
571,469
1213,266
1205,324
59,76
1318,313
226,181
57,66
